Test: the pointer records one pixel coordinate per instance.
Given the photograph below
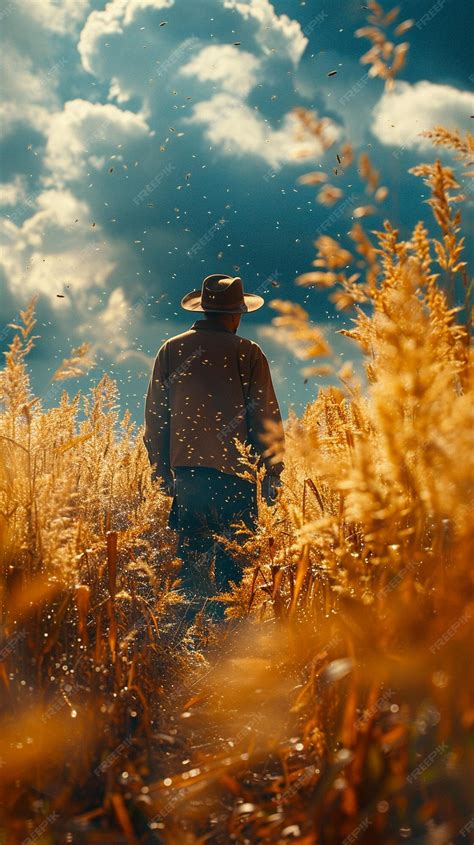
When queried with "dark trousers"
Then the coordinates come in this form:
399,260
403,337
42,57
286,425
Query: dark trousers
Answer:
207,500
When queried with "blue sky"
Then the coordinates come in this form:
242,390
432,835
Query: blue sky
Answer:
148,143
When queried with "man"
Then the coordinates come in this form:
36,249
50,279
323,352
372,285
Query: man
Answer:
208,386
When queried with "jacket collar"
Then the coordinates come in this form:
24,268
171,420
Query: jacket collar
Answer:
208,326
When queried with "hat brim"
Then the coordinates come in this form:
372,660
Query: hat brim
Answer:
192,302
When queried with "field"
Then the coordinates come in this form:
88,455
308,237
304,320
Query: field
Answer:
336,705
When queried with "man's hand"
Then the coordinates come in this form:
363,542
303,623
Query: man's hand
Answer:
167,486
168,489
270,485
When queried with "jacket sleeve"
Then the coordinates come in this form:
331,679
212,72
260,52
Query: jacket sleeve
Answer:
262,404
156,436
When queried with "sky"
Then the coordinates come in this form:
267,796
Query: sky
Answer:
146,144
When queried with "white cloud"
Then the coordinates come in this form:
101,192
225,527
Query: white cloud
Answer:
110,21
402,113
109,330
276,33
27,99
82,131
233,70
50,251
14,192
60,16
239,130
130,29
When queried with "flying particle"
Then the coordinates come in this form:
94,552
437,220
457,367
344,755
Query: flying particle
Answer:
111,170
163,23
332,73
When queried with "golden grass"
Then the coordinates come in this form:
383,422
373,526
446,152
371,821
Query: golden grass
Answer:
340,708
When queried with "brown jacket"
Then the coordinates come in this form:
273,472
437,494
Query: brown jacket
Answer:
208,386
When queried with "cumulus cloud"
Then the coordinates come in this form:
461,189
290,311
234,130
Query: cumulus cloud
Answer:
232,72
14,192
187,75
50,252
133,29
117,16
79,137
225,65
60,16
238,130
402,113
276,33
26,97
112,331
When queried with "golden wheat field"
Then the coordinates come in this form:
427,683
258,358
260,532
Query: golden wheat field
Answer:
336,706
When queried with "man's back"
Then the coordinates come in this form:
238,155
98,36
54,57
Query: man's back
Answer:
208,386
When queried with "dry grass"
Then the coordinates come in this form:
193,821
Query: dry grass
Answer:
340,709
385,56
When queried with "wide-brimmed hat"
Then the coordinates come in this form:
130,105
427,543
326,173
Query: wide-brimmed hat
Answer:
224,294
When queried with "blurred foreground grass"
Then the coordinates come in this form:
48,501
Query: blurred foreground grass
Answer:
339,707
